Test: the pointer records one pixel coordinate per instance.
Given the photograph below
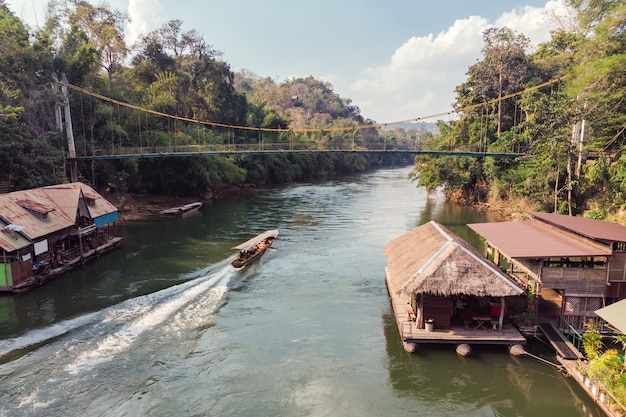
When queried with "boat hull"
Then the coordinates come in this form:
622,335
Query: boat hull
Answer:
242,263
182,211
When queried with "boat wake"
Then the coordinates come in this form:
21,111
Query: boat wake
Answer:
176,310
99,337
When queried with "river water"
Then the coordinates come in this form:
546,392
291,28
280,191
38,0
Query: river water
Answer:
163,326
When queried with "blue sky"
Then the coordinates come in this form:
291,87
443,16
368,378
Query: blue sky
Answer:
396,60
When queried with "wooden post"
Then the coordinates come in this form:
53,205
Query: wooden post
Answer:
69,132
501,318
419,320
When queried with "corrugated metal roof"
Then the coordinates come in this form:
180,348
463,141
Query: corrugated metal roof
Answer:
532,239
59,203
101,205
11,241
615,315
432,259
35,206
34,225
591,228
67,197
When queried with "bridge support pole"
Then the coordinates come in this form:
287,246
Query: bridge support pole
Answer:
64,122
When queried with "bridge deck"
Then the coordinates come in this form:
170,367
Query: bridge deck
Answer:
270,149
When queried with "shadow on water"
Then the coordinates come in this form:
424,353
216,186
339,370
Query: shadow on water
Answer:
490,382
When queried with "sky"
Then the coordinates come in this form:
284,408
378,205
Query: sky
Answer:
394,59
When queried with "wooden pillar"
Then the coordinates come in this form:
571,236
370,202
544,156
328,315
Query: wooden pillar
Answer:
80,243
501,318
419,320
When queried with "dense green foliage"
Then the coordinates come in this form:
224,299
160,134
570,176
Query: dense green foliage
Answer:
169,71
605,365
561,172
176,72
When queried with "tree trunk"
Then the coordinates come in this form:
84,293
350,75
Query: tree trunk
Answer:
556,193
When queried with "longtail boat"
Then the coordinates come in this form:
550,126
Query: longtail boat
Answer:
182,211
253,248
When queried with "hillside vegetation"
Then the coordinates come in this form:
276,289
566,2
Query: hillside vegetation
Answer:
571,131
176,72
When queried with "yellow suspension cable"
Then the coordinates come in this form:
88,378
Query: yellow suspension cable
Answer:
327,129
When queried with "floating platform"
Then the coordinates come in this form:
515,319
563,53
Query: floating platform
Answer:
411,336
67,265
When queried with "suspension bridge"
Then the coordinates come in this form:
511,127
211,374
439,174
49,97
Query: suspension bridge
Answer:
337,140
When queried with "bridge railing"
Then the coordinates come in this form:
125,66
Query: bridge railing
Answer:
115,152
248,147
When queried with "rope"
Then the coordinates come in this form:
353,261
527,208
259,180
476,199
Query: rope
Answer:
327,129
547,362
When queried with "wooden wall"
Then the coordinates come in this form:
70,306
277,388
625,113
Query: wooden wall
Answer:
438,309
579,281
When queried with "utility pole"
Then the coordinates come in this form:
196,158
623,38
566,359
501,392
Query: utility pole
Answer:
64,122
581,138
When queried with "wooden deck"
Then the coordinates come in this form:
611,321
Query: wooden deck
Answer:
458,334
69,264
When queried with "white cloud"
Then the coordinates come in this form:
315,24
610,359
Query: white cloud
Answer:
535,22
421,75
145,15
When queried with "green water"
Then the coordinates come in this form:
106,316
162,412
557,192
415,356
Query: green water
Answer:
164,326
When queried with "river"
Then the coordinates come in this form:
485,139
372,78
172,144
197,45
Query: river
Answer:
163,326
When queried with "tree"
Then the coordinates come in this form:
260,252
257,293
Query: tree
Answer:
16,58
503,70
105,30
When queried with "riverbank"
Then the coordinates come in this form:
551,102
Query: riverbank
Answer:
132,207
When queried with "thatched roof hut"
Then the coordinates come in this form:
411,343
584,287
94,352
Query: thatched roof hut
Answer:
431,259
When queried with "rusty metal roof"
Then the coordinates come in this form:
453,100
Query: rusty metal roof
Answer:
11,241
533,239
67,197
100,206
591,228
35,206
35,225
48,209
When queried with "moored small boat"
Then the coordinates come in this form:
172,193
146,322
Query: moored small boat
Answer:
253,248
182,211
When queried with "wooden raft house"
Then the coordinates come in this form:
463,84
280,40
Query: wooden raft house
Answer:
444,291
46,231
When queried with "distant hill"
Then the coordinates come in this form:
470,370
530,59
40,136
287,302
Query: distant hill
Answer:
421,126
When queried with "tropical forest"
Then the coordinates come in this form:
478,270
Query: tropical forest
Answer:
559,106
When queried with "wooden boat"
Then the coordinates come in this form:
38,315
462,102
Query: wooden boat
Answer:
182,211
253,248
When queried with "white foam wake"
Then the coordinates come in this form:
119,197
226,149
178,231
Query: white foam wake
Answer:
34,337
143,314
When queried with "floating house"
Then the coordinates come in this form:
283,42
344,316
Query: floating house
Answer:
582,260
445,291
46,231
